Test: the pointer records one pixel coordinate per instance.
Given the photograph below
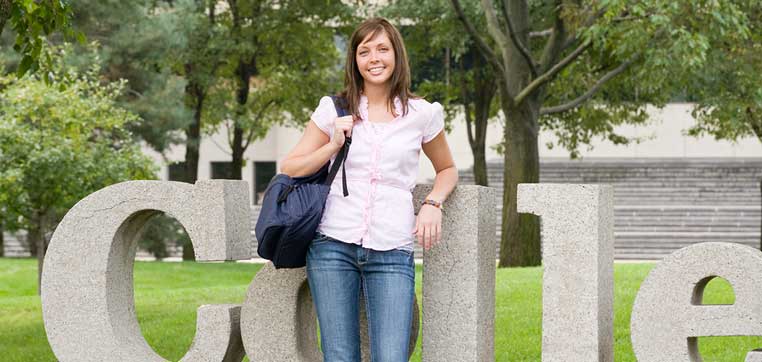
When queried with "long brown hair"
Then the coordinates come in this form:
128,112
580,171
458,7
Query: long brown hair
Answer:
400,80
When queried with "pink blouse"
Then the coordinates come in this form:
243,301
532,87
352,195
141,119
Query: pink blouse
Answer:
381,168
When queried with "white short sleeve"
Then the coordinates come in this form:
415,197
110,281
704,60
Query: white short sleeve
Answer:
435,124
324,115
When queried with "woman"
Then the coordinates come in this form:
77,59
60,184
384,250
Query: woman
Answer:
365,241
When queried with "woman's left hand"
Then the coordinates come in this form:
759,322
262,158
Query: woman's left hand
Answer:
428,226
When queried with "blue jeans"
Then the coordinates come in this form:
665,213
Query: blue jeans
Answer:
337,272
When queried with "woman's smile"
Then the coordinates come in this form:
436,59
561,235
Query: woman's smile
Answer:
376,70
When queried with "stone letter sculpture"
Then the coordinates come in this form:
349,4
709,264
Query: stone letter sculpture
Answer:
89,313
458,293
87,293
281,297
668,314
87,288
578,280
459,279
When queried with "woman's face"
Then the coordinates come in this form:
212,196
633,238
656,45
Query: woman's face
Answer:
375,59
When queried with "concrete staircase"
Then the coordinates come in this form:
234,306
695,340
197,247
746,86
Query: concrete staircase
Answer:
662,205
14,245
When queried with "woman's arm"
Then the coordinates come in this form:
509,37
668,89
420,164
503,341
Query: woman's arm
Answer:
315,148
429,221
438,151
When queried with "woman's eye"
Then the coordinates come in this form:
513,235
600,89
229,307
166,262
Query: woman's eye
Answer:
363,53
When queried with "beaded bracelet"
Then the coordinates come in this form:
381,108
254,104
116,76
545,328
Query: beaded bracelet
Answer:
431,202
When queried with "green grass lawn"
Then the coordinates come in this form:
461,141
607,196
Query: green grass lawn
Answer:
167,295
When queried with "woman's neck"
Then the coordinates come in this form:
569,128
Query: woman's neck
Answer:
376,94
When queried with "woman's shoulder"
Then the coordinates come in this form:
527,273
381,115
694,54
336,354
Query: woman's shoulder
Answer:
325,101
324,115
420,104
431,119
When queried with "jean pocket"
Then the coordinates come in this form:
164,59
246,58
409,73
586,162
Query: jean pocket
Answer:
320,239
406,252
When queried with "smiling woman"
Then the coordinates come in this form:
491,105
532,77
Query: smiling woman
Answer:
366,237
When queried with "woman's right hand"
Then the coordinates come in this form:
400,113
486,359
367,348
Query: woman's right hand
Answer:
342,125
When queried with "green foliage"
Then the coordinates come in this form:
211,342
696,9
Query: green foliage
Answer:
33,20
160,231
61,142
671,42
137,41
674,45
581,125
153,61
729,84
290,52
436,56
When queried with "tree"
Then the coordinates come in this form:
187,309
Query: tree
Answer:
449,69
279,61
729,91
198,62
596,64
58,144
169,67
155,88
159,231
31,20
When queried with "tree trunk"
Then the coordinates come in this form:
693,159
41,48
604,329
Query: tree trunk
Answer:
480,167
482,91
33,237
520,238
485,92
5,13
244,72
31,244
36,236
195,95
192,146
2,240
193,142
188,253
42,248
478,142
237,153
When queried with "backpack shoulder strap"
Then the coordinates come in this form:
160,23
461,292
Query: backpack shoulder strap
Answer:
341,157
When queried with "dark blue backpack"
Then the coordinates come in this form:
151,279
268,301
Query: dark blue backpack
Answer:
293,207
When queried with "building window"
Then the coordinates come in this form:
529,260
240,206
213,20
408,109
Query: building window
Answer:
176,171
263,173
222,170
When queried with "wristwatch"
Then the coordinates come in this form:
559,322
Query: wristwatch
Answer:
434,203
